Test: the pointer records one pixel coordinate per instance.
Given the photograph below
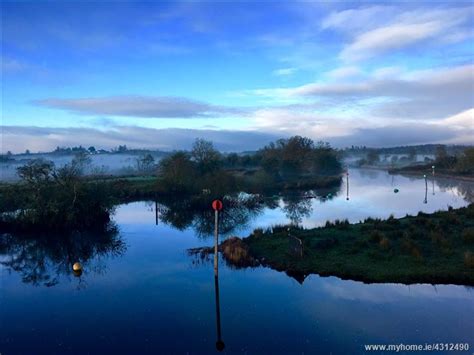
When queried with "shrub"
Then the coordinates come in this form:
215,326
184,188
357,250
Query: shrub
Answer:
385,243
376,236
468,235
469,259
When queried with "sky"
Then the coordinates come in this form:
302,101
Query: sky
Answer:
160,74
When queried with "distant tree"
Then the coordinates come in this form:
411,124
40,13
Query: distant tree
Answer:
412,153
36,172
27,152
441,153
92,150
297,155
145,163
121,149
9,154
81,161
465,163
373,157
232,160
207,158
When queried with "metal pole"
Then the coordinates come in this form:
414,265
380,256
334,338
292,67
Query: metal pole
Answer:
219,344
426,190
347,183
216,240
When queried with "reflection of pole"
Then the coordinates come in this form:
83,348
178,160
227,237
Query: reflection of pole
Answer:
347,185
219,343
156,212
426,190
432,185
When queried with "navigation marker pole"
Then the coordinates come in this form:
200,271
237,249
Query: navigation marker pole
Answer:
347,184
217,206
426,190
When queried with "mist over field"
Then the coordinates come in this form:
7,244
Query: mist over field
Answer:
101,164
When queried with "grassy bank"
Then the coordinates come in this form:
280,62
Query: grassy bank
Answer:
427,248
426,169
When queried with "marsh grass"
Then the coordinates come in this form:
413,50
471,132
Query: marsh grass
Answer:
423,248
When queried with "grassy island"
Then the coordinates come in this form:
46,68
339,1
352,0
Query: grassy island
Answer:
433,248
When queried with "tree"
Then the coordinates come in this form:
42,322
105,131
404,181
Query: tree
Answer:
145,163
412,153
232,159
178,172
372,157
81,161
465,163
207,158
92,150
296,156
36,172
441,153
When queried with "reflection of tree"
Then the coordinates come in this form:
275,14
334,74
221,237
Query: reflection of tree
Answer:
296,207
42,260
465,189
238,211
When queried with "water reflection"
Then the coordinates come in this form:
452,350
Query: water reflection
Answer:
239,212
42,260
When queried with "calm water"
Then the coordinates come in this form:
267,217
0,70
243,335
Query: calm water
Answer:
142,293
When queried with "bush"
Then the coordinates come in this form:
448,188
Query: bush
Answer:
468,235
385,243
376,236
469,259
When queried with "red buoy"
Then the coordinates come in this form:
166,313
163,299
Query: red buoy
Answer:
217,205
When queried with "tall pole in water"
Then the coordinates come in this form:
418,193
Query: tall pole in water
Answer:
216,240
217,206
347,185
426,190
156,212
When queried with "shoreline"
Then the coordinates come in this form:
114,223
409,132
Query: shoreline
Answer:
435,248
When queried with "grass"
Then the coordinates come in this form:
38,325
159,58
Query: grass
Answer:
427,248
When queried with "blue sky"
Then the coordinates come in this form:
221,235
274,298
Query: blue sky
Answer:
158,75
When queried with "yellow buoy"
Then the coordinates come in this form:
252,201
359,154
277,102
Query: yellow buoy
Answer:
77,269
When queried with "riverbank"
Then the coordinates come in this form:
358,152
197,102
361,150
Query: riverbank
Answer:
420,170
433,248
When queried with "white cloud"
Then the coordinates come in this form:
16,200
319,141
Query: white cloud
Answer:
387,38
428,94
387,72
17,138
381,29
344,72
284,71
139,106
